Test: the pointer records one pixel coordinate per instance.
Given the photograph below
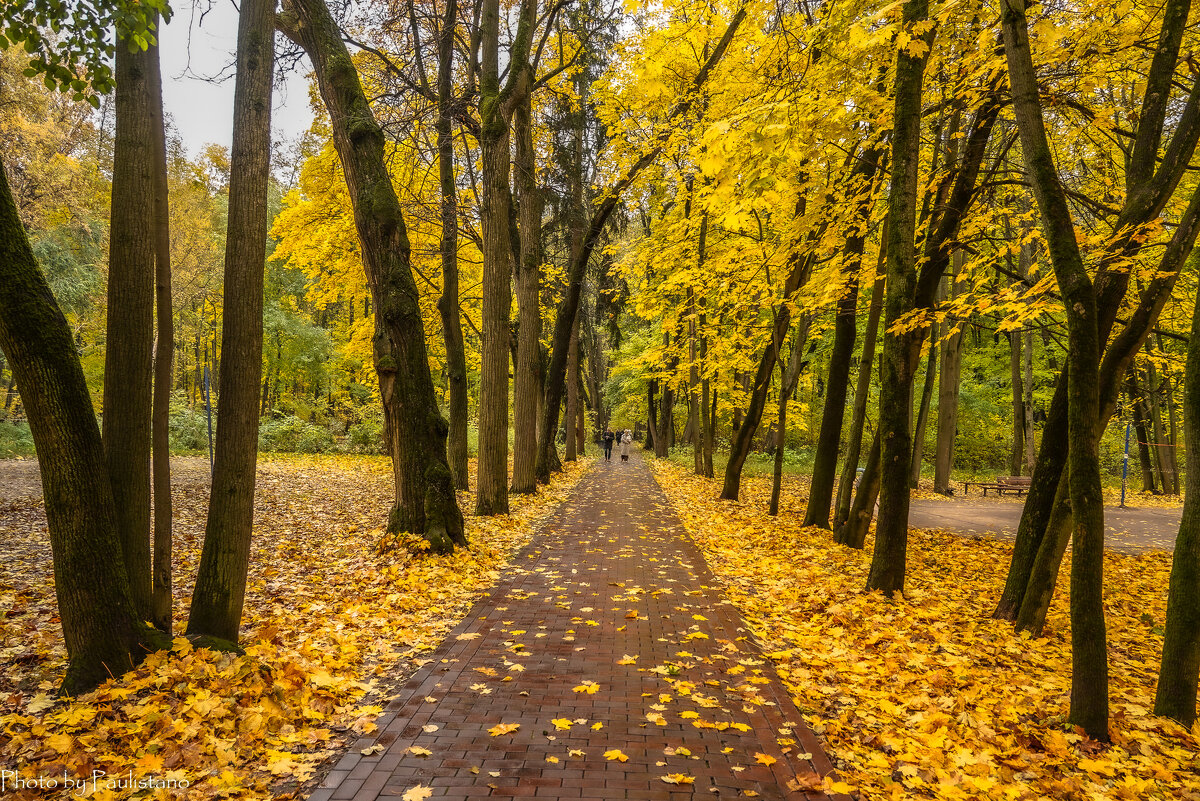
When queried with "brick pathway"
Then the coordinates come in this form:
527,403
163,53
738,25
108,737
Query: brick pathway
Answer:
612,578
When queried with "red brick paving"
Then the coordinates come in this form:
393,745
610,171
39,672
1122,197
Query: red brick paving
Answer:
564,614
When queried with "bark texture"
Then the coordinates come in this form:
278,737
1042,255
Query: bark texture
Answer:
221,579
129,342
103,631
416,431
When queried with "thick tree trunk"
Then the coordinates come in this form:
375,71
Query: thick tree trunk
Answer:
425,501
492,491
129,344
221,579
164,350
862,392
456,353
895,412
918,453
528,274
1089,655
948,396
103,631
1175,696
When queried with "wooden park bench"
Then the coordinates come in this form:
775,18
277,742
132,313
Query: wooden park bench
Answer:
1017,485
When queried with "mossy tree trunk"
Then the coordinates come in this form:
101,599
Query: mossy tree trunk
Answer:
425,501
104,632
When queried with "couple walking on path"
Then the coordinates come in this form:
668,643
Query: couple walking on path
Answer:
625,439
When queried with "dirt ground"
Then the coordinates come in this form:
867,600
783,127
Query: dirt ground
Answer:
1127,530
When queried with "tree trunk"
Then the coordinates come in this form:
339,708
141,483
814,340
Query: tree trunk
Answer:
425,502
1139,428
164,350
845,330
948,395
103,631
528,274
1175,696
652,434
788,376
918,453
129,343
573,406
695,419
895,411
1089,655
1018,406
853,532
221,579
1027,404
456,354
1165,452
492,491
862,392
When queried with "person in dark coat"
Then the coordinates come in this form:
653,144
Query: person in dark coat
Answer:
609,436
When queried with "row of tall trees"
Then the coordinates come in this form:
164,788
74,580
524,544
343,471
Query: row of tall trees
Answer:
1068,222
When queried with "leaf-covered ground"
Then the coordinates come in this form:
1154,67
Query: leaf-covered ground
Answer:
330,625
927,696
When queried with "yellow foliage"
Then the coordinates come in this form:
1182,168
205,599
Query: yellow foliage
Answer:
927,696
326,621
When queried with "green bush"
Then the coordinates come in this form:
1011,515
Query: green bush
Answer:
365,436
15,440
293,435
189,430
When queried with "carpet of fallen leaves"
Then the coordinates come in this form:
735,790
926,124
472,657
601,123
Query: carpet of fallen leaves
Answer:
330,625
927,696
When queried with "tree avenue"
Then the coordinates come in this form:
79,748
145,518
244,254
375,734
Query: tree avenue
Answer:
818,258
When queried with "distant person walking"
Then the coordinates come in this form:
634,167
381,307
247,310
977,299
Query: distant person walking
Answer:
609,436
626,438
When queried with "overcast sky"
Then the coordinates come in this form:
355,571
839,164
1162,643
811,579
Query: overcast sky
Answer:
195,49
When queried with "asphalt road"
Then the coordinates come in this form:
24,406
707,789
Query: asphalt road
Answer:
1128,530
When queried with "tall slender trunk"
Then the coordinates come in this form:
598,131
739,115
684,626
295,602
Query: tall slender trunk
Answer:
788,377
1139,428
1027,405
129,343
891,533
456,353
528,274
103,630
1017,459
1089,656
845,330
573,406
492,491
695,418
221,578
918,453
164,351
948,395
862,392
853,532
